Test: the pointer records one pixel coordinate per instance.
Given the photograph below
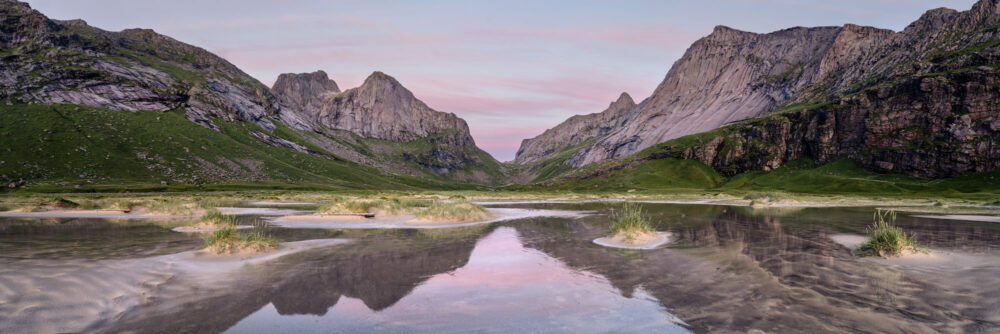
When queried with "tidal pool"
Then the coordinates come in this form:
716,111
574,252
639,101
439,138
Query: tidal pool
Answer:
726,269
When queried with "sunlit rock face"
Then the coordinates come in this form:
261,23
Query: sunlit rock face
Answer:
576,130
438,143
930,80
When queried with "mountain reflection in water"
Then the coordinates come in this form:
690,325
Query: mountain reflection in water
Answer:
728,269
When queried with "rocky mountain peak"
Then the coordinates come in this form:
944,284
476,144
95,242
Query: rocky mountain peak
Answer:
304,92
381,84
576,130
931,20
623,100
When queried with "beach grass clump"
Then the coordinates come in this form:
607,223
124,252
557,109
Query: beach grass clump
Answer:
59,203
630,223
384,205
215,218
760,198
454,211
886,239
227,240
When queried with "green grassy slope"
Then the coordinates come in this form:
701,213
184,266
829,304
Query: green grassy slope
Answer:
845,176
55,148
798,176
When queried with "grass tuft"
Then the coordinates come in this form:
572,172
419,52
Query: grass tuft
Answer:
227,240
630,222
385,205
456,211
885,238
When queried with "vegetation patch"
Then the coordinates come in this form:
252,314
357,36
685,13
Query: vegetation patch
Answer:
227,240
886,239
456,211
631,225
392,206
59,203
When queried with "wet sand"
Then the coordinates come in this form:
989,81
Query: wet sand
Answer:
661,239
977,218
934,259
499,214
47,296
190,229
259,211
91,214
278,203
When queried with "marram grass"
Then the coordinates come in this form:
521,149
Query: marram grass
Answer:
227,240
630,221
454,211
886,239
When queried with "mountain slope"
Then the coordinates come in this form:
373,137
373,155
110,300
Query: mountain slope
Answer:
921,101
382,124
576,130
80,106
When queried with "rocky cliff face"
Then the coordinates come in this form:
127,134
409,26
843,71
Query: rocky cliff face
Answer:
356,123
576,130
913,127
49,62
306,92
731,76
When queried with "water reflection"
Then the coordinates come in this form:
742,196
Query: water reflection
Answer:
503,287
731,269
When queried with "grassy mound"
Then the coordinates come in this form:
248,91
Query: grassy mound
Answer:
380,206
213,219
886,239
227,240
59,203
630,225
458,211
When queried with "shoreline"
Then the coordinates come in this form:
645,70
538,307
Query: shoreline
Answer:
664,238
110,214
405,222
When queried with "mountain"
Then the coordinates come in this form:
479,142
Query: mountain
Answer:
94,109
382,124
576,130
920,101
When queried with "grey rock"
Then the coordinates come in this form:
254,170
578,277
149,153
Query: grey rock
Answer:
576,130
732,76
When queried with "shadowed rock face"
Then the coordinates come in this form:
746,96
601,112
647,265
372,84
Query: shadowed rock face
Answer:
731,76
135,69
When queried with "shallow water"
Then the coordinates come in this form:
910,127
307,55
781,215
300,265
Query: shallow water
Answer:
727,269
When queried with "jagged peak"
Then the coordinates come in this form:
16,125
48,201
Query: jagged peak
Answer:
987,6
381,80
378,76
15,3
73,22
721,29
318,77
932,19
624,98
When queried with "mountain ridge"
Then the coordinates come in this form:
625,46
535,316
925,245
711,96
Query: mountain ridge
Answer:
732,76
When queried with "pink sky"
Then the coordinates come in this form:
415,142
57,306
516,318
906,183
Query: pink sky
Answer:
510,68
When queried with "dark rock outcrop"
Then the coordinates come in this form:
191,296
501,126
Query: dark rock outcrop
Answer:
48,61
